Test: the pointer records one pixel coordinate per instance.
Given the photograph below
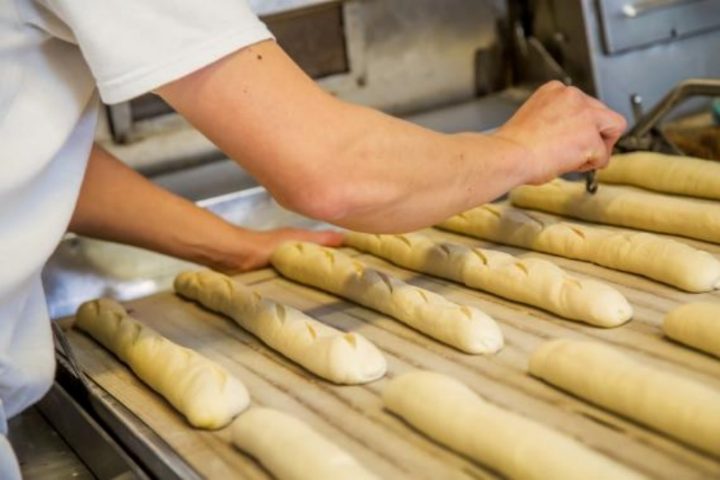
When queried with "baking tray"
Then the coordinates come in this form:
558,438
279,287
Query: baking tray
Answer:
352,416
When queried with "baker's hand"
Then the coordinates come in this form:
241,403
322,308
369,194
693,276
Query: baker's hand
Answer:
563,130
251,249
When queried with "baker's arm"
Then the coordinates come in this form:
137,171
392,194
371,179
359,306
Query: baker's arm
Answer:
118,204
361,169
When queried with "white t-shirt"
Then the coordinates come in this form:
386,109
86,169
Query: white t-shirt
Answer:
55,55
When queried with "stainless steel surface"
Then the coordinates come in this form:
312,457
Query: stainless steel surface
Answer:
67,350
41,451
635,24
478,115
129,434
574,31
99,452
413,55
206,180
82,269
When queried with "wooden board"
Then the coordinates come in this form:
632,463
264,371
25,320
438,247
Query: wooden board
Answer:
353,417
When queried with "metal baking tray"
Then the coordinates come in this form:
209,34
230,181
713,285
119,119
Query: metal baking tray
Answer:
83,268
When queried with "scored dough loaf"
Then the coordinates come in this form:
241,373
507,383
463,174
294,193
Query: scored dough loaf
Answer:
347,358
203,391
679,407
695,324
532,281
461,326
450,413
291,450
625,206
693,177
653,256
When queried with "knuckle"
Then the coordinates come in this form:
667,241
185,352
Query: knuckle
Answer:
552,84
574,93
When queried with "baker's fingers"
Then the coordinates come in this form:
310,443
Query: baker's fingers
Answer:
610,124
596,157
551,86
585,167
593,164
594,102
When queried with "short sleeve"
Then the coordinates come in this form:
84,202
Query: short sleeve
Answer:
135,46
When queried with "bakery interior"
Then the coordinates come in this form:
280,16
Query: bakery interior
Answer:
453,66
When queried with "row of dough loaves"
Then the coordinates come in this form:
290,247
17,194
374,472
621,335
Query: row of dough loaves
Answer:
210,397
530,280
682,266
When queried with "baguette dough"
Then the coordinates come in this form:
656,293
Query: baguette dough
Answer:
682,408
532,281
625,206
340,357
203,391
653,256
695,324
449,412
460,326
688,176
291,450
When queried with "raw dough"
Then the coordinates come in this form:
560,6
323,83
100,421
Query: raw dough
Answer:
653,256
340,357
207,394
670,403
460,326
291,450
532,281
625,206
689,176
449,412
697,325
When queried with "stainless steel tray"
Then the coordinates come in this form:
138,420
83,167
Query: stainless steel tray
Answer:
83,268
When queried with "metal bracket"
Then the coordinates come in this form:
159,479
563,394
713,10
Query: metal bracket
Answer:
645,134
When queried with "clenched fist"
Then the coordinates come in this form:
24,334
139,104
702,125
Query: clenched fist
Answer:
563,130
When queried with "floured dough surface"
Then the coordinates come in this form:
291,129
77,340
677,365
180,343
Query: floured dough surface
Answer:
461,326
449,412
532,281
693,177
695,324
625,206
203,391
679,407
682,266
291,450
347,358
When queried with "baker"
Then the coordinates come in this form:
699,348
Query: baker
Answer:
218,66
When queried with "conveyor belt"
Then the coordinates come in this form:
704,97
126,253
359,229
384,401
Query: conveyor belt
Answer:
353,416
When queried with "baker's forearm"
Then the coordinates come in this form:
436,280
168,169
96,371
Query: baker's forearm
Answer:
360,168
396,176
343,163
118,204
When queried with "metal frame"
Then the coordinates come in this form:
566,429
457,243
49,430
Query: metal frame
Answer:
107,437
